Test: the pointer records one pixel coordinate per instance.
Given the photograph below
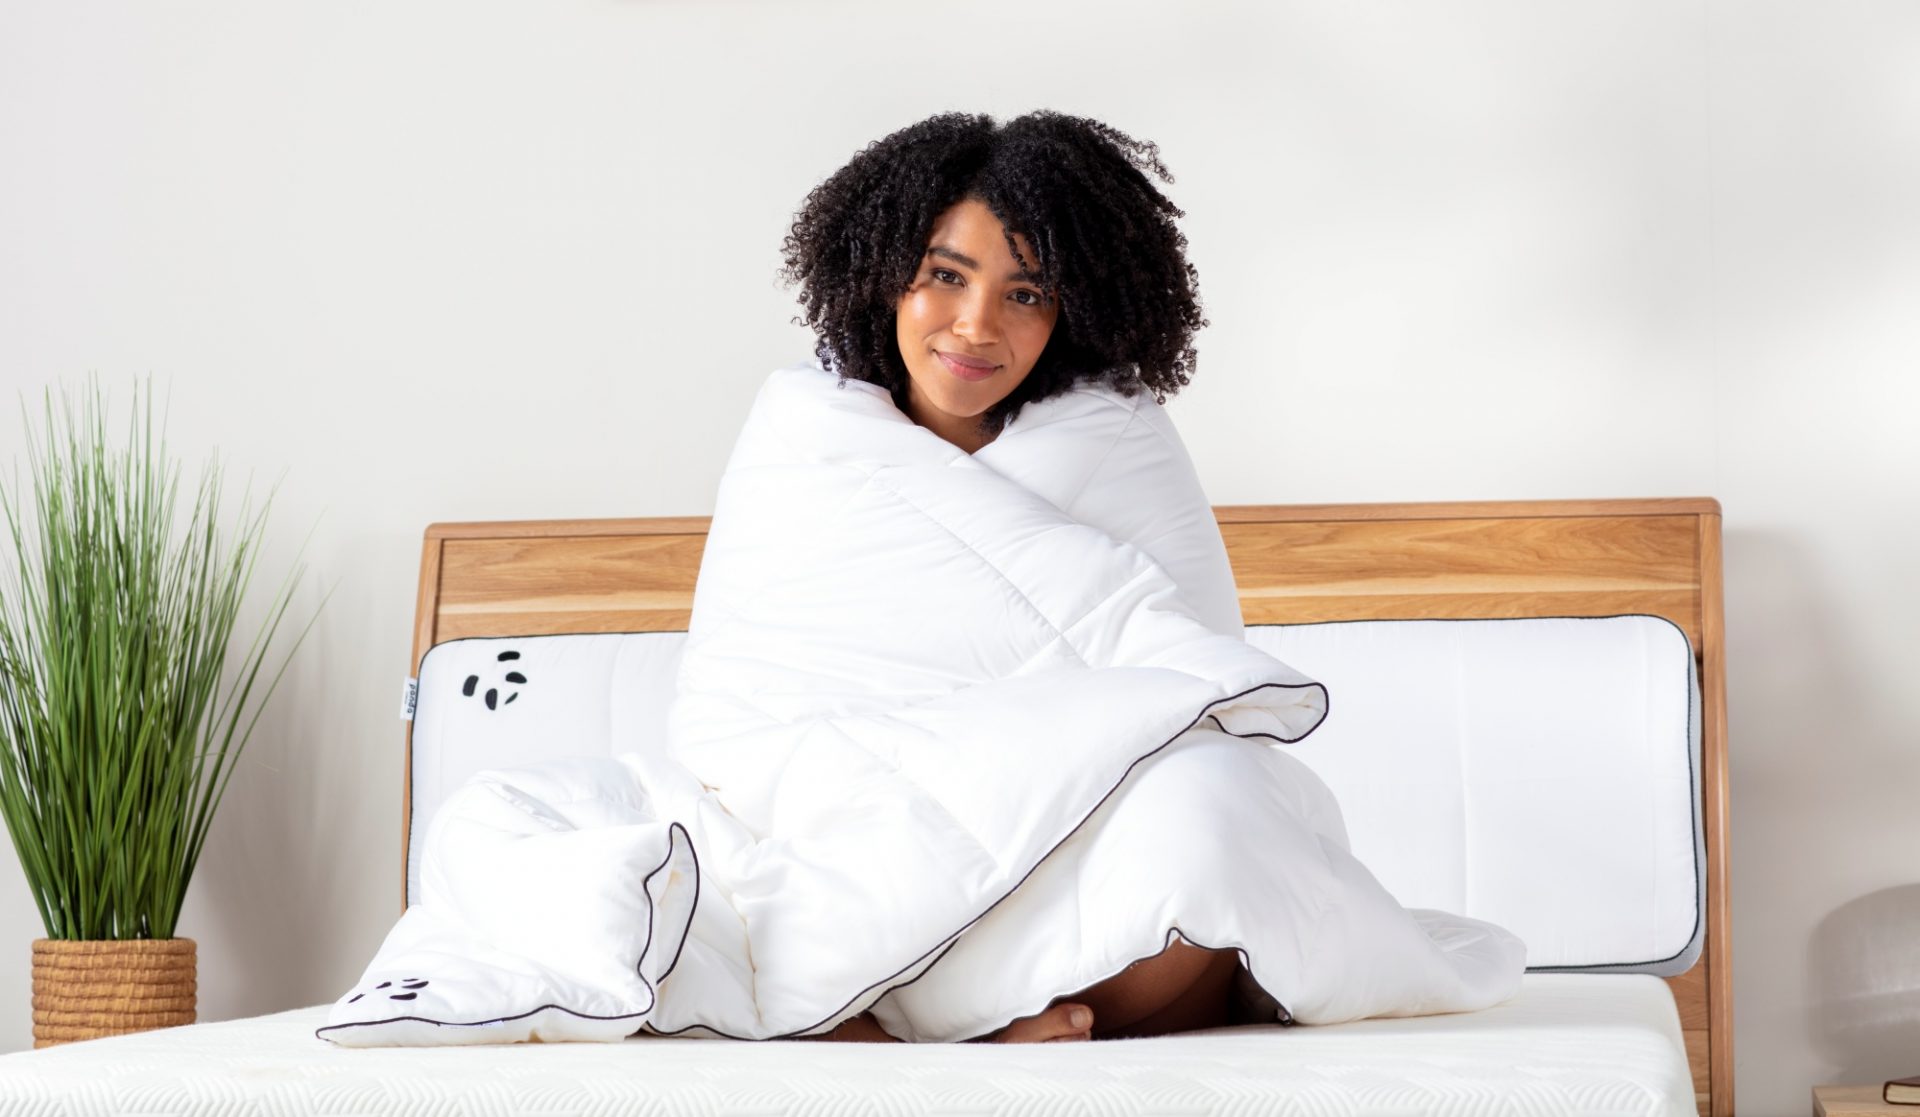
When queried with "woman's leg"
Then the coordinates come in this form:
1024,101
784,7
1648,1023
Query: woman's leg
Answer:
1182,988
1207,1003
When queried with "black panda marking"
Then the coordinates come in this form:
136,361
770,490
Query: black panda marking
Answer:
503,693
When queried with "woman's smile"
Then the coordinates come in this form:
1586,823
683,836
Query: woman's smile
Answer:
967,368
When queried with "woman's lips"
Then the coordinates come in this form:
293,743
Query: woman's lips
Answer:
965,371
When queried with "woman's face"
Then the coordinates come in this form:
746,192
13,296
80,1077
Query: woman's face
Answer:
972,325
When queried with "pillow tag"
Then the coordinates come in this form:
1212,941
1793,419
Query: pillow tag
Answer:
408,698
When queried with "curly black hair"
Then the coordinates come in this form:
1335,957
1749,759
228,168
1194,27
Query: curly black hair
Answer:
1075,188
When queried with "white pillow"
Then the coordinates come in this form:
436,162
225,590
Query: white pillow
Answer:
1539,773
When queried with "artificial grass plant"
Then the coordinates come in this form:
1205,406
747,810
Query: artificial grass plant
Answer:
117,735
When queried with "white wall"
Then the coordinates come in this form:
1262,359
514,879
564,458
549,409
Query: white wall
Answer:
479,260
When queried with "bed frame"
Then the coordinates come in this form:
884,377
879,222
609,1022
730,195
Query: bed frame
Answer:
1292,563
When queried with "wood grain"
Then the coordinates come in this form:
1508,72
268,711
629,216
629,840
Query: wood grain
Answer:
1699,1043
1862,1100
1547,566
1470,509
1714,794
1690,997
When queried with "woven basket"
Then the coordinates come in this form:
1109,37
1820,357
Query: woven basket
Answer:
85,990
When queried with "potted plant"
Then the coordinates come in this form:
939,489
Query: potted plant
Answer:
118,733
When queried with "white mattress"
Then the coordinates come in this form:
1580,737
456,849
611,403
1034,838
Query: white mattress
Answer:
1568,1044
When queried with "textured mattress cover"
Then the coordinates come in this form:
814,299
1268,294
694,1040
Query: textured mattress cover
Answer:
1568,1044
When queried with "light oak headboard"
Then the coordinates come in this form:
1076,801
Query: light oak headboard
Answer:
1293,563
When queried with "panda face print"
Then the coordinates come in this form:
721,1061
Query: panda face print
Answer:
405,989
503,683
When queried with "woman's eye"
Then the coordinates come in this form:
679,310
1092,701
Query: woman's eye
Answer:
1024,296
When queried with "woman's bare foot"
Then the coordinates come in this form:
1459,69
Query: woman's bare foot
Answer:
1063,1022
1050,1025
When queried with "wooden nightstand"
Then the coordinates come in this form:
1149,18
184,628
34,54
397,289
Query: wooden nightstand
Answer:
1856,1101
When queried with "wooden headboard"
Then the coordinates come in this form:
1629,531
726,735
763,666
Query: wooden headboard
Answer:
1293,563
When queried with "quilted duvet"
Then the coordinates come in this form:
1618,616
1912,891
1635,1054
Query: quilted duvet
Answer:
953,735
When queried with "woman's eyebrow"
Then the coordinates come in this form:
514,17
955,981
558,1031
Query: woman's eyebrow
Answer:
967,261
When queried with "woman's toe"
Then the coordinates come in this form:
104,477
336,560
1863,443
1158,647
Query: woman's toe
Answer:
1053,1024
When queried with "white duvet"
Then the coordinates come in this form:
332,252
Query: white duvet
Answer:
953,735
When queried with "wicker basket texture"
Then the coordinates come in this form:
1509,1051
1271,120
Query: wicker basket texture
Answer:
89,989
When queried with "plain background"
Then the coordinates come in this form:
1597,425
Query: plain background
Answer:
481,260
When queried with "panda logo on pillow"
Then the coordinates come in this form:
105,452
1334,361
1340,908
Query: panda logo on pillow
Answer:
408,989
513,678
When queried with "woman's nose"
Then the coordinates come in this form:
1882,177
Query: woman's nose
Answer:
976,321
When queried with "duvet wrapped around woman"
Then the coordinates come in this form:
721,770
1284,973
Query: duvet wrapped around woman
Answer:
967,741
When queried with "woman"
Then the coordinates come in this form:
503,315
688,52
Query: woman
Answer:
966,739
971,268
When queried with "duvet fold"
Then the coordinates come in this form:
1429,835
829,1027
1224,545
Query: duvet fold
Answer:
952,735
